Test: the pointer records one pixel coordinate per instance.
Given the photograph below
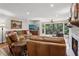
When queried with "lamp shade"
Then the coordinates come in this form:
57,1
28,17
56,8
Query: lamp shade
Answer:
2,25
2,22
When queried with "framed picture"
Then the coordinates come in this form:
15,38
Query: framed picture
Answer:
16,24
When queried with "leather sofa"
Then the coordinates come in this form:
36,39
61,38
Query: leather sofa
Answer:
41,48
48,39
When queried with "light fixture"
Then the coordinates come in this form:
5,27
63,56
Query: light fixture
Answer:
51,5
2,27
28,13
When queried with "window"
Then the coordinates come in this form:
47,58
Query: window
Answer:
52,28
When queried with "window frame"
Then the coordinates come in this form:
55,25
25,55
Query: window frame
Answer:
56,26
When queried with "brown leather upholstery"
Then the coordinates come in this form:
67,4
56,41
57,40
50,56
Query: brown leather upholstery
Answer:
49,39
31,48
39,48
13,38
16,51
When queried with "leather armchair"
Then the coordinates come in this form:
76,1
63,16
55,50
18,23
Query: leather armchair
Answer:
15,50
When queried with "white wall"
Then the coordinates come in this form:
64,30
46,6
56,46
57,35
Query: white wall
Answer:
7,22
25,22
47,20
74,30
2,21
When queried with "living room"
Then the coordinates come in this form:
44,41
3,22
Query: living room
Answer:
39,29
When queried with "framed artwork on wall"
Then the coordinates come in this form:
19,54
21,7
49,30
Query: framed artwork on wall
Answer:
16,24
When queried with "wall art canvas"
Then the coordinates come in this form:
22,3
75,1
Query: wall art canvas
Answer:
16,24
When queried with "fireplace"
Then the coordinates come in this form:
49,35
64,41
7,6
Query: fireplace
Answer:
75,46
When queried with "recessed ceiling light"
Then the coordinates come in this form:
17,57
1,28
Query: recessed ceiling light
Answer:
56,15
51,5
28,13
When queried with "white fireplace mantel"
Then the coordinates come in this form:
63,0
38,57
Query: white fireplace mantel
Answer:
76,36
74,32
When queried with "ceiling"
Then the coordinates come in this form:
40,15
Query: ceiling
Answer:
35,10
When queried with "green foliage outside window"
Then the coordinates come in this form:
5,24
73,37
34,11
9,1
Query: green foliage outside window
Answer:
66,30
55,28
52,28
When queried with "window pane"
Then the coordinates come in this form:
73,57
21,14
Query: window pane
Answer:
66,30
43,28
54,28
60,27
48,28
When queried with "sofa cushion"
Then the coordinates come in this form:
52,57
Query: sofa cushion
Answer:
13,36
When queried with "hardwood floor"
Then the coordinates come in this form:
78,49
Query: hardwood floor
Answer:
3,45
4,50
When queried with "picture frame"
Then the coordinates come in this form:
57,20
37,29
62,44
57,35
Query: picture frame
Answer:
16,24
